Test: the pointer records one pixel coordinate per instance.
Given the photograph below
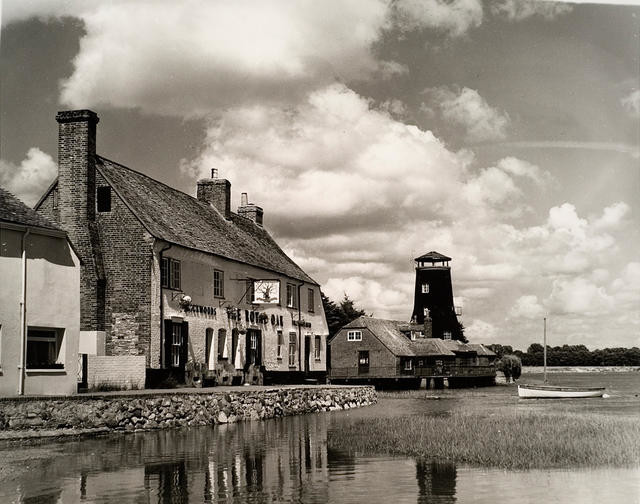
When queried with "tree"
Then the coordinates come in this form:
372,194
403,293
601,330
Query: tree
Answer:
339,314
511,366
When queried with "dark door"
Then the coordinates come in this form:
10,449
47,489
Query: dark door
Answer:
307,353
254,347
363,362
176,344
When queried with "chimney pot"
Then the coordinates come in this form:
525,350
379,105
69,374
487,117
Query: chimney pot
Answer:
214,173
244,199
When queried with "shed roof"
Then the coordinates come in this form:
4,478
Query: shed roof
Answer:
176,217
432,256
481,349
390,335
15,211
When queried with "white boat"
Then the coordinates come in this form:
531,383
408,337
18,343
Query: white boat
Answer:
545,391
552,391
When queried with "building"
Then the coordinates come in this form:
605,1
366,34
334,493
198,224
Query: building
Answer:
201,292
434,296
39,304
397,353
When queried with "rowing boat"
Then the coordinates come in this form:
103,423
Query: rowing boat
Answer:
553,391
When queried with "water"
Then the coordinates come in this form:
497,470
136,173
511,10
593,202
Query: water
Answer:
288,460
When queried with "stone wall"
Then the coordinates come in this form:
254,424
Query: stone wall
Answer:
144,411
125,372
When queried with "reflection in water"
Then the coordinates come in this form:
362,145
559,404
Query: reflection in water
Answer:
274,461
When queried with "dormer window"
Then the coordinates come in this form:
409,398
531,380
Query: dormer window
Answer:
446,335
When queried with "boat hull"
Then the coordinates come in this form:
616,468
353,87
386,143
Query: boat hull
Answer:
553,392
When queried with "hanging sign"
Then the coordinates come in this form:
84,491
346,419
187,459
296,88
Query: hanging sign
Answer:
266,291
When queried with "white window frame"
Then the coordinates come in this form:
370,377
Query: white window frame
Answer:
58,339
292,349
176,344
172,273
446,335
318,347
408,365
354,335
425,288
218,284
292,296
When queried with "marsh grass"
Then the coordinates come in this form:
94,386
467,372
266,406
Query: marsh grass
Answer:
508,440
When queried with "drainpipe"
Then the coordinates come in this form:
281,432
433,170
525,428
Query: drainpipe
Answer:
299,330
23,314
162,335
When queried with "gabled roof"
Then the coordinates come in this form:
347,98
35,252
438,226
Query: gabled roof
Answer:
176,217
15,211
457,347
390,335
481,349
432,256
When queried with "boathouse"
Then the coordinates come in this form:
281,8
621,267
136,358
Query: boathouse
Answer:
39,303
430,347
180,285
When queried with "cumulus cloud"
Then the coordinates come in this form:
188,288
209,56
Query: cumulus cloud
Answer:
470,111
455,17
31,177
528,307
631,103
517,10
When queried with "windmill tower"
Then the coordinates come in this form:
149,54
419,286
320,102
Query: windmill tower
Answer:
434,296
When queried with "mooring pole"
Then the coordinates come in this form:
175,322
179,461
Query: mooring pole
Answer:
544,351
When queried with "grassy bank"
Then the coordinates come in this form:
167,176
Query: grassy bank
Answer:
509,440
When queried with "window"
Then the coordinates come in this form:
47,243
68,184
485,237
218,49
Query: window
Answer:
311,302
292,349
218,283
446,335
208,345
427,313
104,199
408,365
54,198
44,349
354,336
425,288
317,349
420,363
254,341
292,296
176,344
222,344
280,344
170,273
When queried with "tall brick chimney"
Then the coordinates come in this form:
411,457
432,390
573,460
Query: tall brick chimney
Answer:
76,204
216,192
249,210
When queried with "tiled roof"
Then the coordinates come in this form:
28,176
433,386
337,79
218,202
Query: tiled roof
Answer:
456,346
176,217
432,256
389,334
481,349
14,210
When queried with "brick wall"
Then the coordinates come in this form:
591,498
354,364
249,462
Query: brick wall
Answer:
344,354
126,249
122,372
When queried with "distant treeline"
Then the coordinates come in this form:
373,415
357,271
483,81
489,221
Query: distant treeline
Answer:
572,355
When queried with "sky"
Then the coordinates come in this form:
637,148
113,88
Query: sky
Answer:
504,134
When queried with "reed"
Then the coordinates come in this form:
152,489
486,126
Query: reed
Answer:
508,440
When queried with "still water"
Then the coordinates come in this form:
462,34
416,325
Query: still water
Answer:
289,460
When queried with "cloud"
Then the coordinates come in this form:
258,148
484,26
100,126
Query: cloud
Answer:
518,10
480,331
579,296
454,17
31,177
631,103
528,307
470,111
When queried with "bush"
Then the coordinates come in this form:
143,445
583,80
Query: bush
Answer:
511,366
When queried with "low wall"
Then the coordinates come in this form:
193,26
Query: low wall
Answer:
121,372
145,411
582,369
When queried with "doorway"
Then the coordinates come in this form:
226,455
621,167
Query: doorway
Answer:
254,347
307,353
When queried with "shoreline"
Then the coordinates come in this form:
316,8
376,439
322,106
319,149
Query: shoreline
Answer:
581,369
28,420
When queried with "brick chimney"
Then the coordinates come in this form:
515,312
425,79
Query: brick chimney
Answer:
76,167
216,192
249,210
76,204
